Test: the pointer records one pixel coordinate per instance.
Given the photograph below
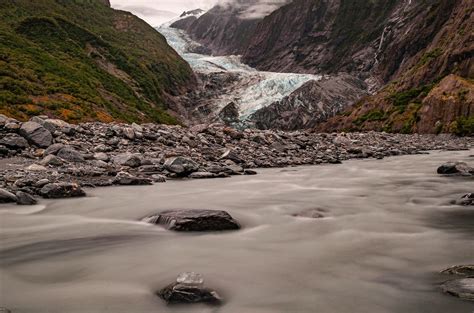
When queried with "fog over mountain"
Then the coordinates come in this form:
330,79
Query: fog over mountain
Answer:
157,12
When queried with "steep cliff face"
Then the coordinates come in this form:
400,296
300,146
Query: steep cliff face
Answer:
431,91
223,29
81,60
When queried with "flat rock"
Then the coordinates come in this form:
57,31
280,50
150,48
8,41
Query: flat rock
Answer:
61,190
462,288
202,175
36,134
461,270
128,159
181,165
194,220
6,196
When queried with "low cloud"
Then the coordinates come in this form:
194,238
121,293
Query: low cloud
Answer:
253,9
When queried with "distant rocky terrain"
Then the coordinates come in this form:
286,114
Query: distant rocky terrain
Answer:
54,159
414,56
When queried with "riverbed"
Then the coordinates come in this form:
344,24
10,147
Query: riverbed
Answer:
389,228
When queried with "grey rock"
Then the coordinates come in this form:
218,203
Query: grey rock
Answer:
181,166
462,288
157,178
310,213
460,270
124,178
53,149
202,175
129,133
456,168
24,198
36,134
61,190
102,156
6,196
70,154
14,141
467,199
51,159
42,182
177,293
194,220
128,159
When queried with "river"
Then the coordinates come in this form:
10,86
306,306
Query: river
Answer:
389,228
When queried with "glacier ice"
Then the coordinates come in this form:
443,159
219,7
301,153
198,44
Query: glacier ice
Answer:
254,89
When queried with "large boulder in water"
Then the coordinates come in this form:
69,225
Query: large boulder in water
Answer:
467,199
461,270
181,166
462,288
456,168
194,220
189,288
61,190
36,134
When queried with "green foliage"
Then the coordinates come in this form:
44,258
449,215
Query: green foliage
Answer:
74,59
373,115
403,98
463,126
430,55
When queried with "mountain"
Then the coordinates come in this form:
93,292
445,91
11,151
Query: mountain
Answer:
81,60
408,52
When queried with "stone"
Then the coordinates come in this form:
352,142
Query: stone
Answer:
467,199
462,288
102,156
189,288
129,133
51,159
14,141
61,190
24,198
181,165
36,134
40,183
460,270
53,149
157,178
202,175
6,196
123,178
70,154
36,168
194,220
455,168
249,172
127,159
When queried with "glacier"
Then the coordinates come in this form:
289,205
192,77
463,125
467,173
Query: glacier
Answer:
253,89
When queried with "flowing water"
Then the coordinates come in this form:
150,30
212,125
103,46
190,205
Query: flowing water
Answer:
389,228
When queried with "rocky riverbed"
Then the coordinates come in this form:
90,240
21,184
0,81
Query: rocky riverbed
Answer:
53,159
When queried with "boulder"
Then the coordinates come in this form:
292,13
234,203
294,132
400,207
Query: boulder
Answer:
61,190
102,156
70,154
53,149
123,178
467,199
462,288
6,196
194,220
249,172
36,134
189,288
181,166
129,133
14,141
461,270
128,159
24,198
456,168
36,168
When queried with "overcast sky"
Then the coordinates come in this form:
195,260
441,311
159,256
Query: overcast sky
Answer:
156,12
